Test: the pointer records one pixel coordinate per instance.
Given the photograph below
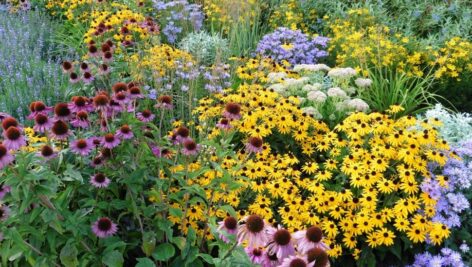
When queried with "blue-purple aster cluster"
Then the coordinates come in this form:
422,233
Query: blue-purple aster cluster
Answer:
451,201
293,46
447,257
181,16
217,78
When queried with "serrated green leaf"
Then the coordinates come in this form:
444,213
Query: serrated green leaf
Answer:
68,255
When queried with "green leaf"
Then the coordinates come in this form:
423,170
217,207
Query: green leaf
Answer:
145,262
68,255
113,259
207,258
179,241
72,175
397,250
164,252
176,212
149,243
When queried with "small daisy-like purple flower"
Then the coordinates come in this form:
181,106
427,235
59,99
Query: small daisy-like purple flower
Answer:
81,120
84,67
82,147
232,111
104,227
93,51
62,112
254,145
4,189
74,78
110,141
296,261
182,134
224,124
107,57
4,212
60,130
80,103
280,242
101,102
254,231
256,255
135,93
97,161
47,152
104,69
5,157
190,148
125,132
164,102
42,123
87,77
99,180
121,97
146,116
67,67
318,256
228,225
13,138
270,260
308,239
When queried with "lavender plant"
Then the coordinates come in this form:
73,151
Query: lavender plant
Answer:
293,46
27,70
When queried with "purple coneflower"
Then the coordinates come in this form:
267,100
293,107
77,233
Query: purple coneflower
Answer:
232,111
121,98
135,92
42,123
5,157
84,67
74,78
190,148
145,116
67,67
318,256
62,112
104,227
60,130
81,120
182,134
253,231
270,260
104,69
107,57
280,242
295,261
99,180
87,78
224,124
80,103
228,225
119,87
114,108
164,102
4,189
4,212
308,239
47,152
82,147
38,107
97,161
256,255
110,141
13,138
9,122
101,101
254,145
93,51
124,132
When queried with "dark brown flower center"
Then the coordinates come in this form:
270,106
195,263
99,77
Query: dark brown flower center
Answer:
101,100
100,178
104,224
87,75
282,237
105,48
319,256
73,76
66,65
9,122
135,90
46,151
41,119
183,131
119,87
3,151
92,49
125,129
81,143
224,121
254,223
60,128
109,138
190,145
79,101
257,252
62,110
146,113
297,263
230,223
166,99
82,115
233,108
314,234
120,96
108,55
255,141
13,133
84,66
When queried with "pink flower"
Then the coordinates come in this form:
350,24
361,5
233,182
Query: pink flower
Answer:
295,261
254,231
104,227
13,138
190,148
42,123
99,180
82,147
280,242
110,141
125,132
4,189
146,116
230,226
308,239
256,255
254,145
232,111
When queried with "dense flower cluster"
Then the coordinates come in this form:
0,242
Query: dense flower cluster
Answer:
292,46
447,258
341,191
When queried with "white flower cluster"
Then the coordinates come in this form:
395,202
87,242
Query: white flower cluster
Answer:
363,83
342,73
310,68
